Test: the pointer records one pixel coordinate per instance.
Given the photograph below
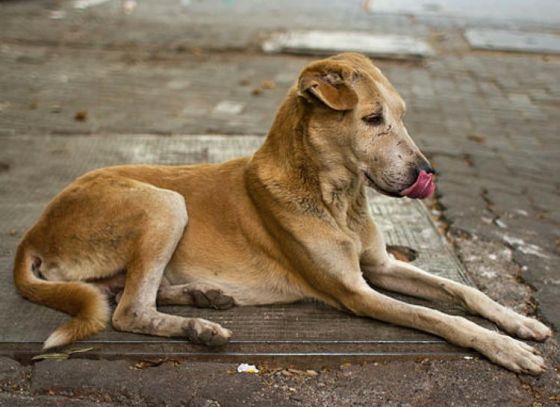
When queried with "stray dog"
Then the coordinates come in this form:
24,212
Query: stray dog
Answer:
290,222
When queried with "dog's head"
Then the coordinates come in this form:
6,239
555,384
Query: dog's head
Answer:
355,121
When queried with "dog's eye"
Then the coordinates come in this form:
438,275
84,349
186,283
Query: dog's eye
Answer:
375,119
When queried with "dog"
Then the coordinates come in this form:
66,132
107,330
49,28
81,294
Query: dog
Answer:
289,223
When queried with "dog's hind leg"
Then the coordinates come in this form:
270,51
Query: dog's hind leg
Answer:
136,310
99,228
405,278
196,294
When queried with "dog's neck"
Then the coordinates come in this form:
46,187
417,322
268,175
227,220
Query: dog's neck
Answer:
286,163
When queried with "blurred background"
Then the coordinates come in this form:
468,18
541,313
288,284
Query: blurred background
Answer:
481,80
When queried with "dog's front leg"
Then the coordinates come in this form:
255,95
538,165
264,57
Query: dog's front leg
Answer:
401,277
503,350
336,277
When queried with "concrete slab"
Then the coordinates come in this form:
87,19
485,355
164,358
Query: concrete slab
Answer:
504,40
174,24
496,11
330,42
34,169
139,93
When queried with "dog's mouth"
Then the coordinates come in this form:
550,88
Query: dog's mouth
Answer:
423,187
374,185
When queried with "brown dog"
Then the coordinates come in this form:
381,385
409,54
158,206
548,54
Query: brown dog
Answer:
288,223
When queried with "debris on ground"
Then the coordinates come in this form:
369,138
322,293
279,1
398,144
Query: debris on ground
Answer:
84,4
81,116
145,364
265,85
268,84
247,368
229,107
61,355
476,137
129,6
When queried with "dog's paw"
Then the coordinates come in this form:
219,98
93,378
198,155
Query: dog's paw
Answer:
207,333
211,298
512,354
525,327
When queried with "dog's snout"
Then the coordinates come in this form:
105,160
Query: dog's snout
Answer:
425,166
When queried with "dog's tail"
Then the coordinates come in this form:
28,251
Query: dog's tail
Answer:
87,305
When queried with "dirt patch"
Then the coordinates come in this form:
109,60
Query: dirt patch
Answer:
403,253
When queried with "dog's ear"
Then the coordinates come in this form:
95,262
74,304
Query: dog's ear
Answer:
330,83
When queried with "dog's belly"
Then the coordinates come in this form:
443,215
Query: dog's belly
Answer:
247,285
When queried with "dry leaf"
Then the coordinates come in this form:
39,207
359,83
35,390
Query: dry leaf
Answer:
61,355
268,84
53,356
80,116
78,350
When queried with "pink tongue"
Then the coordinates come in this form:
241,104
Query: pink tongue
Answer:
423,187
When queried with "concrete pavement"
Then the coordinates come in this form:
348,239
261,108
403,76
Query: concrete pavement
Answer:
171,383
488,120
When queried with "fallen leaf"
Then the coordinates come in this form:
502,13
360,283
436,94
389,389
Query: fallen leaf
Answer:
197,52
78,350
53,356
268,84
80,116
144,364
477,138
61,355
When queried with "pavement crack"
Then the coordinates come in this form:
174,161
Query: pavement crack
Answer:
491,208
457,238
468,159
484,194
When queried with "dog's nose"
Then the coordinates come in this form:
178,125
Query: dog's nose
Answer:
425,166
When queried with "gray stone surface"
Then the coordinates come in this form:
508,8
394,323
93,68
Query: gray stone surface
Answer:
423,382
13,376
503,40
169,25
47,401
330,42
477,12
489,121
169,384
116,92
